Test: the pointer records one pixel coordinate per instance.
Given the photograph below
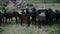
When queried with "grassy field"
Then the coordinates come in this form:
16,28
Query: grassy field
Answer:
17,29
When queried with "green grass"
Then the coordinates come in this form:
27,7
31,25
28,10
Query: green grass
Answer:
54,29
1,30
17,29
55,32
